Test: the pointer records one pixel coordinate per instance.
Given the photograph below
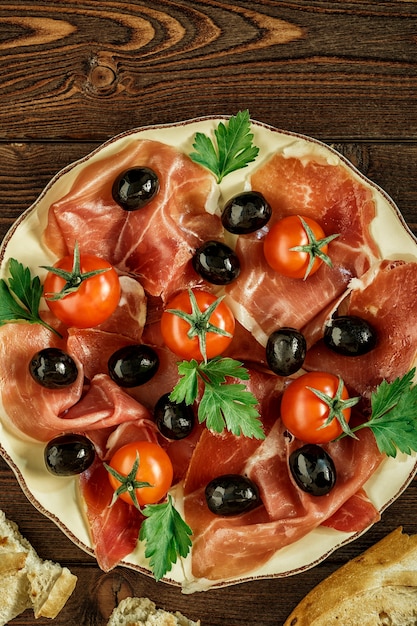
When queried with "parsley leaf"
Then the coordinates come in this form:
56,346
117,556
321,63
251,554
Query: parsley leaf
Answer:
20,297
393,419
233,149
223,404
166,536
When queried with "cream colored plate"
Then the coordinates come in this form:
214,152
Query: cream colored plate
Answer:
57,498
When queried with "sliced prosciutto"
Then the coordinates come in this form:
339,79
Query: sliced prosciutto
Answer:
228,547
114,529
156,242
263,299
33,410
42,413
386,297
357,513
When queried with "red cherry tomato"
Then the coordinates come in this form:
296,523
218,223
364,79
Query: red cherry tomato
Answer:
288,233
155,468
95,299
175,330
304,414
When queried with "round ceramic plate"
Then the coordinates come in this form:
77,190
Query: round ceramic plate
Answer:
57,498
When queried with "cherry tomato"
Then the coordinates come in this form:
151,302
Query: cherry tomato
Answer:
175,330
95,299
155,468
303,413
287,233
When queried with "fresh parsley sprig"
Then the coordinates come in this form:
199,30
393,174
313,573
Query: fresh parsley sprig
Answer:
233,149
20,297
393,418
166,536
223,404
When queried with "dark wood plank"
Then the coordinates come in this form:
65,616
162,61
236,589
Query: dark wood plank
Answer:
74,73
90,70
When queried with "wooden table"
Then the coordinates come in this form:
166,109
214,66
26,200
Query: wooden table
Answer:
74,73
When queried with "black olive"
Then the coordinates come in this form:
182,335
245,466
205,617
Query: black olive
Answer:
216,263
134,188
350,335
285,351
53,368
246,213
313,469
174,420
231,494
68,455
134,365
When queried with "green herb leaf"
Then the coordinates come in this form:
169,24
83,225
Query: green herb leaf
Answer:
233,149
223,404
394,416
20,297
230,406
166,536
186,390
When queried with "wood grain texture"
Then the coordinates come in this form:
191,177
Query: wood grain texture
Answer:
91,69
75,73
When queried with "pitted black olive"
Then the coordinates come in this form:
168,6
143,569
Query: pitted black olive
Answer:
285,351
174,420
135,187
246,213
231,494
350,335
53,368
216,263
68,455
313,469
133,365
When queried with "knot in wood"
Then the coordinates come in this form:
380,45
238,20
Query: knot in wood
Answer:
110,590
102,78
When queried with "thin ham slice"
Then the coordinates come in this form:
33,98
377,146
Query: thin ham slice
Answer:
227,547
42,413
357,513
33,410
262,299
156,242
387,298
114,529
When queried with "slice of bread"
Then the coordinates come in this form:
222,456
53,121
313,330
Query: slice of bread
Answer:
377,588
143,612
27,581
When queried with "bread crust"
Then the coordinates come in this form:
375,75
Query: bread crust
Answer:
140,611
26,580
374,582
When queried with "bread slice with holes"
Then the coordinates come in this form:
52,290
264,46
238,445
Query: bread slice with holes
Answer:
143,612
377,588
27,581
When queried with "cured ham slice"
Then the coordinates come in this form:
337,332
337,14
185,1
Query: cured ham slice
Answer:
32,410
227,547
387,298
114,529
42,413
262,299
354,515
156,242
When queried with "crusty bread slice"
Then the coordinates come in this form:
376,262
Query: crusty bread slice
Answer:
377,588
143,612
29,581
